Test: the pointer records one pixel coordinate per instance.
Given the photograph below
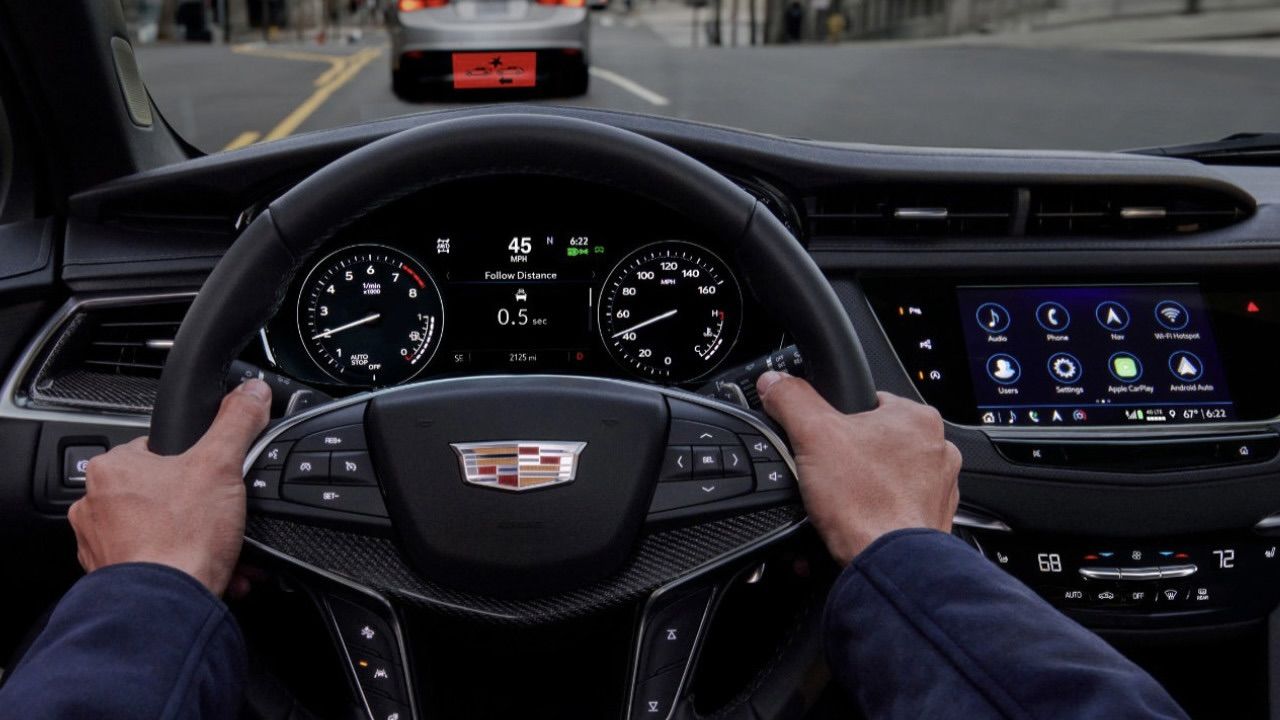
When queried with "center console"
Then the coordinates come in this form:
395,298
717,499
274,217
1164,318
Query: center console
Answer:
1124,388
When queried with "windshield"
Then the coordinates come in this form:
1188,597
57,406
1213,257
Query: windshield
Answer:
1060,74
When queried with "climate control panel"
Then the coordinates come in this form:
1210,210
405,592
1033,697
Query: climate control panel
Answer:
1131,582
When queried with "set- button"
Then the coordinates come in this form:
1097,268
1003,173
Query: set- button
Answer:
327,469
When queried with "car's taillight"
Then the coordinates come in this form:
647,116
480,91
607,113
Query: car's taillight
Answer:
415,5
566,3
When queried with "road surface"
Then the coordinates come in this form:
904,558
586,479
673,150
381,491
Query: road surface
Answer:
974,93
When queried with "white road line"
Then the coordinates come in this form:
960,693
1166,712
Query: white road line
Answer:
630,86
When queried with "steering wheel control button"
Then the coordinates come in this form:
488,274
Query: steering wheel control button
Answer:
1053,317
381,708
1004,368
360,628
707,462
678,463
760,449
993,318
1112,316
344,498
655,697
272,456
262,484
1172,315
350,437
773,476
307,467
75,463
673,495
670,633
687,432
734,460
379,675
352,467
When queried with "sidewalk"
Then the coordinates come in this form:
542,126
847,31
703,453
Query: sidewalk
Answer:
673,21
1258,29
1220,32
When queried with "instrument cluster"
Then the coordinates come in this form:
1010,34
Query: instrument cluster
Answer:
486,276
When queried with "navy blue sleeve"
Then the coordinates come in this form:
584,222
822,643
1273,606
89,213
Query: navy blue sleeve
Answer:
134,640
920,625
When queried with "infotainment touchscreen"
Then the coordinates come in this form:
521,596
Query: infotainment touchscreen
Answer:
1093,355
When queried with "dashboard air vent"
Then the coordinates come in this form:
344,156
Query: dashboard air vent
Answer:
1130,211
109,357
913,211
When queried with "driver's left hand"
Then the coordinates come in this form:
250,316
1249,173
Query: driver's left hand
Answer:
186,511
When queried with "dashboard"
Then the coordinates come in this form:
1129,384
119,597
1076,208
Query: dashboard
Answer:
485,276
1110,379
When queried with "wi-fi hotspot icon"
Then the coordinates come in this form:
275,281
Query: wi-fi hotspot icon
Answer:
1171,314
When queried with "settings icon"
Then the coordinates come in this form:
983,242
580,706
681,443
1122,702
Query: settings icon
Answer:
1064,368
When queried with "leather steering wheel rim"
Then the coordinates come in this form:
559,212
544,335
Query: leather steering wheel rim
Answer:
250,282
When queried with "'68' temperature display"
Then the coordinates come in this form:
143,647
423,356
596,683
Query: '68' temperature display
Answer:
370,315
670,311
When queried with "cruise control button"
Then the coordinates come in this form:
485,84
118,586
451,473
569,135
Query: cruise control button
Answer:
707,462
263,484
761,449
734,461
678,463
688,432
349,437
346,498
672,495
352,467
307,467
773,476
272,456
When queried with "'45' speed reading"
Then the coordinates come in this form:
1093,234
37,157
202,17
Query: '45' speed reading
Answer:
370,315
670,311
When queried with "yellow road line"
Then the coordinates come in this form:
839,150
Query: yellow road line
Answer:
342,68
243,139
335,62
352,67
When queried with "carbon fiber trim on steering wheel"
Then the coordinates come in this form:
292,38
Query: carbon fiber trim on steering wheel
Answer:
376,563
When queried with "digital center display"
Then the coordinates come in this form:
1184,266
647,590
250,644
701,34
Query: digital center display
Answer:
1093,355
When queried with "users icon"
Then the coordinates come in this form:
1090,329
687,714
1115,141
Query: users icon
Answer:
1003,368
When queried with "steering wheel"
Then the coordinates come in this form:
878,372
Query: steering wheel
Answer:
581,544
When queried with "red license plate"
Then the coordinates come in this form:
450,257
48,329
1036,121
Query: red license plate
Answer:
475,71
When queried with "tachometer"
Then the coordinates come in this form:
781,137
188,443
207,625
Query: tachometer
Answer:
370,315
670,311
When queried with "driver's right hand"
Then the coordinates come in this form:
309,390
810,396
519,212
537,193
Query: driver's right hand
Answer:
868,474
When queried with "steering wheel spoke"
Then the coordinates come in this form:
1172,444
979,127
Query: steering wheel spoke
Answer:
370,640
668,638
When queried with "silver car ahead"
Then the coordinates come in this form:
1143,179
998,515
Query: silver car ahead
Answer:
497,46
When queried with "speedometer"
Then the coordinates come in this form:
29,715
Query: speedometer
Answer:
370,315
670,311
